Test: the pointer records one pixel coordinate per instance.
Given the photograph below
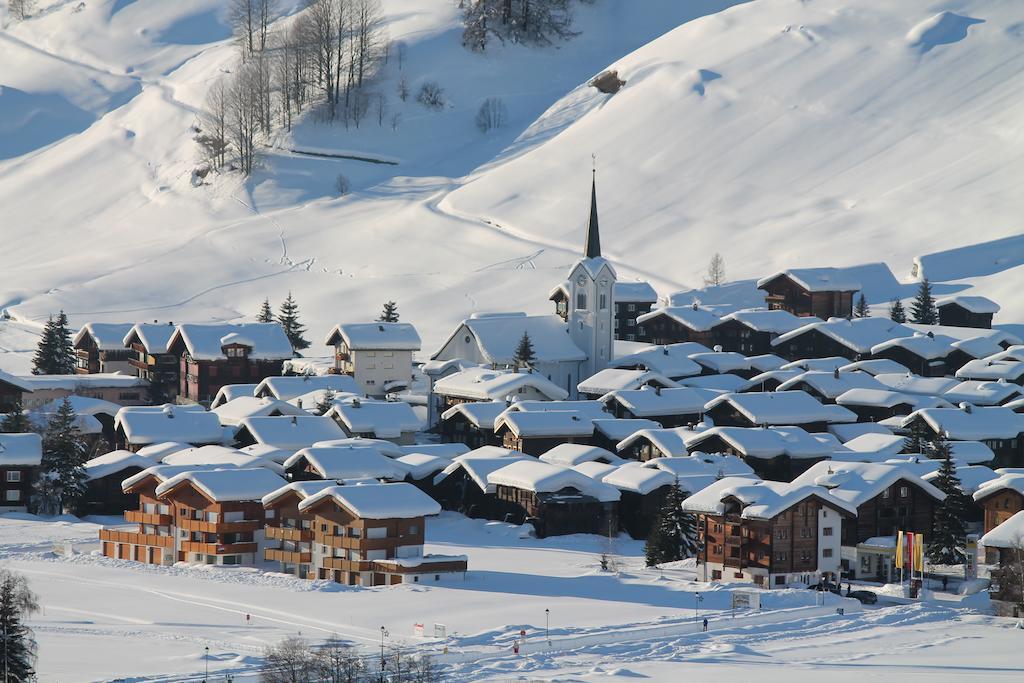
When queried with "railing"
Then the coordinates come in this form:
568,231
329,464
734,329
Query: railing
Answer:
154,518
217,549
281,533
288,556
218,527
350,543
347,565
136,539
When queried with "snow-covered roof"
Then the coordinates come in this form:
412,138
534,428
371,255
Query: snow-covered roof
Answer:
81,405
218,456
381,419
168,423
883,398
759,382
826,364
816,279
617,430
846,432
105,380
1011,353
921,345
268,453
225,485
399,500
542,424
982,393
481,414
206,341
485,384
648,401
234,411
978,347
880,444
114,462
571,454
420,465
640,292
594,470
295,432
106,336
972,477
771,321
719,383
156,452
1008,535
855,483
670,442
971,452
1013,481
672,361
694,318
781,408
635,478
593,409
21,449
699,464
759,499
480,462
447,451
302,489
859,334
766,362
161,473
973,304
984,368
229,392
908,383
375,336
721,361
541,477
617,379
763,443
876,366
497,338
976,424
286,388
154,337
832,384
341,462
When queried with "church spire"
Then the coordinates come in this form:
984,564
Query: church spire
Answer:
592,248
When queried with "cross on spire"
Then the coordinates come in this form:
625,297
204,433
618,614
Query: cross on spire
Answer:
592,248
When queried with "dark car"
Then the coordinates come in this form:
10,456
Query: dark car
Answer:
865,597
830,587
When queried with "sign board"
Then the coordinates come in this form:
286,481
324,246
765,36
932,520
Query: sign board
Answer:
417,630
746,600
971,558
440,631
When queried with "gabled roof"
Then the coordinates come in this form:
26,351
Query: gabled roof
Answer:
301,489
648,401
972,477
721,362
616,379
827,364
915,384
382,501
225,485
696,319
639,292
571,454
341,462
161,473
617,430
154,337
762,443
847,432
855,483
287,388
541,477
484,384
234,411
759,499
984,368
447,451
721,384
816,279
230,392
1007,535
978,347
498,337
875,367
883,398
21,449
633,477
982,393
381,419
217,456
591,408
376,335
480,462
759,382
106,336
536,424
977,424
168,423
878,444
671,442
23,383
859,335
920,345
293,432
420,465
973,304
113,463
771,321
206,341
766,362
156,452
781,408
481,414
1013,481
672,361
832,384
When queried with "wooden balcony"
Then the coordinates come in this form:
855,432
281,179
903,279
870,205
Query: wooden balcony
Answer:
287,556
217,549
350,543
281,533
156,519
136,539
219,527
347,565
138,364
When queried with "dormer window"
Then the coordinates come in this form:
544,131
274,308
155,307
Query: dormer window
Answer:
236,351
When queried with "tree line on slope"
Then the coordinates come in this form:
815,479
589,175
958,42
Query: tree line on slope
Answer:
533,22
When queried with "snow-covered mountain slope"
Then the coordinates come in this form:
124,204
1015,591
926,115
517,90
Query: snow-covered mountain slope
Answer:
777,132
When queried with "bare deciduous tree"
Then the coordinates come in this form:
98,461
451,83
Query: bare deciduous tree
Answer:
20,10
716,272
290,661
402,88
431,95
336,662
213,133
492,114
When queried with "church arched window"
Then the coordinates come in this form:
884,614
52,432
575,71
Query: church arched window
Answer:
581,301
603,301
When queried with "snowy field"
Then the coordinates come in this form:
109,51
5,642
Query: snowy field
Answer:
105,619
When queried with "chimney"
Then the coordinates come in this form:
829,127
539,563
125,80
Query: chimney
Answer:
695,306
299,402
380,327
967,407
295,420
657,390
664,350
931,335
718,348
356,403
835,373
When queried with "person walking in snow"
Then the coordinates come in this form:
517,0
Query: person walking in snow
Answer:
705,623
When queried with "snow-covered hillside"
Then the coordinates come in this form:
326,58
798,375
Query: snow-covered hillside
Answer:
777,132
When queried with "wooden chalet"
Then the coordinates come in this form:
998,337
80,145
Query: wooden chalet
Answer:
152,361
472,424
1000,499
773,534
288,533
821,292
678,324
783,408
20,457
921,353
642,491
775,453
631,300
373,536
673,407
100,347
998,427
1006,590
537,432
12,392
966,311
462,485
104,474
751,332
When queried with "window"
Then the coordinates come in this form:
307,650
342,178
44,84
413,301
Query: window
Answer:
805,556
415,579
11,495
603,301
780,580
826,552
581,301
631,307
355,532
377,532
780,556
827,531
886,493
270,514
14,476
904,491
211,517
782,534
805,532
716,574
414,529
717,550
734,551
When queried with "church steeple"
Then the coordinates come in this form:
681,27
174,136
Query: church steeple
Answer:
592,248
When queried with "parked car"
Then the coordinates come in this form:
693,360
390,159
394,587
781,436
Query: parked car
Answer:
865,597
830,587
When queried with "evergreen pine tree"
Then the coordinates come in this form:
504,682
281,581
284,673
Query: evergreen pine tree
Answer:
63,349
17,644
44,361
896,311
917,440
62,478
923,311
861,310
390,314
325,402
948,532
674,534
15,422
525,355
266,315
288,319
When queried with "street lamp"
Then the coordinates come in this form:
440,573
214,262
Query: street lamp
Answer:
547,626
383,634
207,659
697,599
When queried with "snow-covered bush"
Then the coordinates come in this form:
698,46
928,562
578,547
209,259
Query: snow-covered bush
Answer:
431,95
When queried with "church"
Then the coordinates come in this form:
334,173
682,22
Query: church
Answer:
570,345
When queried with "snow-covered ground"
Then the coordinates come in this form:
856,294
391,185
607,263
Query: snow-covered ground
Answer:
103,619
780,133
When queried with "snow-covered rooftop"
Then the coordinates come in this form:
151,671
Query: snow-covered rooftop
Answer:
293,432
571,454
649,401
485,384
384,501
302,489
846,432
21,449
764,443
447,451
287,388
976,424
832,384
168,423
982,393
816,279
541,477
340,462
1008,535
875,367
84,382
380,419
883,398
568,423
826,364
237,409
920,345
205,341
766,362
972,477
106,336
497,338
158,451
670,442
225,485
640,292
721,362
699,464
877,444
781,408
973,304
1013,481
759,499
694,318
978,347
420,465
617,379
672,361
908,383
154,337
719,383
859,334
593,409
771,321
480,462
229,392
635,478
855,483
375,336
112,463
986,369
481,414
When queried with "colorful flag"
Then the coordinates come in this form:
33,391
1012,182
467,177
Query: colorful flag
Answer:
919,552
899,550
